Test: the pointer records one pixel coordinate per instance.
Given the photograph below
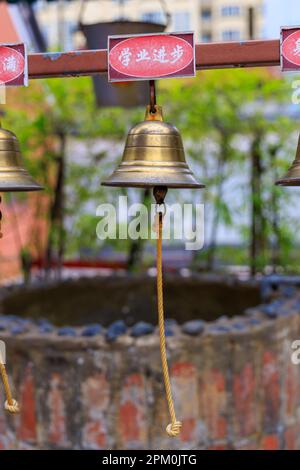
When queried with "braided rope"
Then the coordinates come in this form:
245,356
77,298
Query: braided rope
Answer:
10,404
173,429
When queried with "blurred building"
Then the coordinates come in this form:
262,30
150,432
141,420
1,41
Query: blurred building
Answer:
279,13
212,20
18,24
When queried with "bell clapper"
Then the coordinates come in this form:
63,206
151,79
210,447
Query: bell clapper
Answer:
159,192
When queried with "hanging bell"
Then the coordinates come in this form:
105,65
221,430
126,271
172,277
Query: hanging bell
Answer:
292,178
13,177
153,156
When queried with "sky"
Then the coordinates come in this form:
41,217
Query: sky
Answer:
280,13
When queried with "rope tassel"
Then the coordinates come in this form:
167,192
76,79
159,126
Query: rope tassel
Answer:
10,404
173,429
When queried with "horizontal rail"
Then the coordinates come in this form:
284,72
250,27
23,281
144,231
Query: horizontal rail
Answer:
208,56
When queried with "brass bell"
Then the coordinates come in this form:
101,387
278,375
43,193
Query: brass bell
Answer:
13,177
292,178
153,156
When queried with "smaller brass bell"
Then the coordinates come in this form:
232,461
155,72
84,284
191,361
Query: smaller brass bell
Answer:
292,178
153,156
13,177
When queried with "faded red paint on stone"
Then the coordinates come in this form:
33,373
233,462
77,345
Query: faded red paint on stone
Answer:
2,427
291,390
245,406
271,389
214,403
185,384
290,439
56,405
27,424
132,418
251,445
218,447
7,440
95,397
270,442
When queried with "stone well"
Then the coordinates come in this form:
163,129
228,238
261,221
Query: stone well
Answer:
84,359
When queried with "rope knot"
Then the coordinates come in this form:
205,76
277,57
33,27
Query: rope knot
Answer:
13,408
173,429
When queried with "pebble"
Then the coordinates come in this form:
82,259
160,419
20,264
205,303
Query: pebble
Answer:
116,329
142,328
270,310
66,331
254,321
220,329
46,328
92,330
288,291
239,326
18,330
193,327
171,322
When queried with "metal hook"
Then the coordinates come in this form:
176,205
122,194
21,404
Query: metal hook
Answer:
152,96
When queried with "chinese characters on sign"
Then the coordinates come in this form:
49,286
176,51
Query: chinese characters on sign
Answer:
13,65
151,56
290,49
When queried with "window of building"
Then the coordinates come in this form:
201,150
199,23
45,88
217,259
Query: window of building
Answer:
231,35
230,11
206,37
154,17
206,14
181,21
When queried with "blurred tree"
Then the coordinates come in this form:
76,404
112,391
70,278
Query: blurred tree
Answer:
240,111
231,124
56,111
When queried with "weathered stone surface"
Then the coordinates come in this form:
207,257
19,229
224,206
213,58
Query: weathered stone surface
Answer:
234,387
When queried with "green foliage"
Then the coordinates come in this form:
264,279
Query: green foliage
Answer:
220,114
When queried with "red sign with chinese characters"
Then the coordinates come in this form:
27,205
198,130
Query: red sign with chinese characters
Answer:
290,49
150,56
13,65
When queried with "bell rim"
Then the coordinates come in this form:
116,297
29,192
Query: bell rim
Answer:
171,185
288,182
19,188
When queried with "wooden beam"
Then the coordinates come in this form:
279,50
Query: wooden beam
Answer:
208,56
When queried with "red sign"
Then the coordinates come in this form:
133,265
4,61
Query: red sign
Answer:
150,56
290,49
13,65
